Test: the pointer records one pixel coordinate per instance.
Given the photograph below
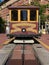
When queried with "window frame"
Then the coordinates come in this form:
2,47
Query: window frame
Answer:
37,15
33,11
10,16
16,15
28,15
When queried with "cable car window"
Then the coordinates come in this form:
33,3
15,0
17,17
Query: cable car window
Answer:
32,15
14,15
23,15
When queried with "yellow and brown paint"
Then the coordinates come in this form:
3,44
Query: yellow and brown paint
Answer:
31,26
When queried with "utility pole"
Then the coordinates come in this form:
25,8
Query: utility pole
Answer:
39,24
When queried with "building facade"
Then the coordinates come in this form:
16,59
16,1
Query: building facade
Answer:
43,2
4,11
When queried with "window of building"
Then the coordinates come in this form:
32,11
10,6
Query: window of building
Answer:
23,15
14,15
32,15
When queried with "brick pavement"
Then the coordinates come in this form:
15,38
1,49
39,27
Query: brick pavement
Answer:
3,38
45,39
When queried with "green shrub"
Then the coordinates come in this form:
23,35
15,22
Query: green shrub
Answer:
2,25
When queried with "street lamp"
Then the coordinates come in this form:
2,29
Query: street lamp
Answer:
47,26
7,25
39,25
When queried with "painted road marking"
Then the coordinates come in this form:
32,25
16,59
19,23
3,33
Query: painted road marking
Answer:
45,45
7,41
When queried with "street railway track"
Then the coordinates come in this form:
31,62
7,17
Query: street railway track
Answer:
8,48
21,53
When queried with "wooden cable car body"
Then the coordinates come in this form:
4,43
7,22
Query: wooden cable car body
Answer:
24,21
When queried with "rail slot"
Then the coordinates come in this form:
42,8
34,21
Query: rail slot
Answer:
41,54
5,53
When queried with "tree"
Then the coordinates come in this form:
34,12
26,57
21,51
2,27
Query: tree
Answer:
35,3
47,6
48,17
2,25
42,9
43,19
